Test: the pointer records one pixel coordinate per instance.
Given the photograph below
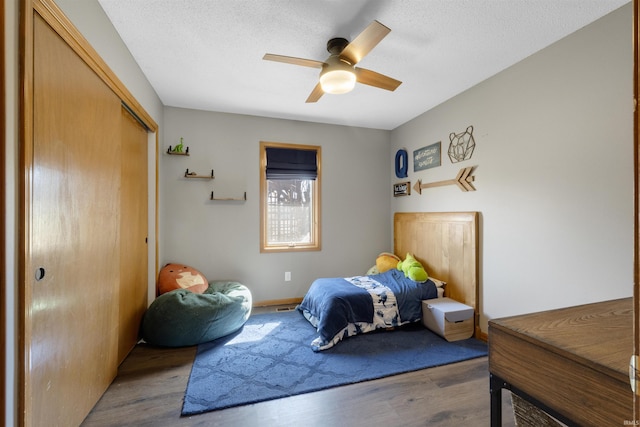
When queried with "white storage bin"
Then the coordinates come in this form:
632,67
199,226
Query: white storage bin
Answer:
450,319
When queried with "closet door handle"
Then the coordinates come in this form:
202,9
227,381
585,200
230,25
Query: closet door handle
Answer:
40,273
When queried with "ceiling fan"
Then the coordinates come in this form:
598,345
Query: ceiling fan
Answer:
339,73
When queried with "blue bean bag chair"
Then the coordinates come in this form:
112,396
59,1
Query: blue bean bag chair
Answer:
183,318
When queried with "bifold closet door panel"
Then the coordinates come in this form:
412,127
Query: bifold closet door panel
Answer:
72,307
133,233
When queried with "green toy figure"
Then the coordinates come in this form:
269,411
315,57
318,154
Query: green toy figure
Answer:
178,148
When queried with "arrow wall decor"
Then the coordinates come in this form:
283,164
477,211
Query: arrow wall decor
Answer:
462,180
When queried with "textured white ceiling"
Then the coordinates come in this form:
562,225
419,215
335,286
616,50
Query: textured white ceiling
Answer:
207,54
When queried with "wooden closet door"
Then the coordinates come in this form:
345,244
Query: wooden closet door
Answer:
133,232
73,263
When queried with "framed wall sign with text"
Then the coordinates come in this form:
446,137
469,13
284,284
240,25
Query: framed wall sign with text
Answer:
427,157
402,189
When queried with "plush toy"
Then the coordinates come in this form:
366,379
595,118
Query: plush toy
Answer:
178,148
386,261
413,269
180,276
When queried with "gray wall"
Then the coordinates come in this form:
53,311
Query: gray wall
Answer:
222,239
554,178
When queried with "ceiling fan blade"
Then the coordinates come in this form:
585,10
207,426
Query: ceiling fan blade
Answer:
316,93
372,78
364,42
292,60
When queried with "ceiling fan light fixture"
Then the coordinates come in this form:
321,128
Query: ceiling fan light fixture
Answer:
338,81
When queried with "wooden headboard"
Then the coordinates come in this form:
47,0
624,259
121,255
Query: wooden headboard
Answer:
446,243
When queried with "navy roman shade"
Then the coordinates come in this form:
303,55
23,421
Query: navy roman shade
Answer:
289,163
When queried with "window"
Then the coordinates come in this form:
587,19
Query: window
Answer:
289,197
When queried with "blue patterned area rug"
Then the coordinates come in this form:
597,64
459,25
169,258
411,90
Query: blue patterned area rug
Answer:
270,358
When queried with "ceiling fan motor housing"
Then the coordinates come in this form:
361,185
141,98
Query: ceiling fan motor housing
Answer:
336,45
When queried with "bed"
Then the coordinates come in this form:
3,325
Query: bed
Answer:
444,242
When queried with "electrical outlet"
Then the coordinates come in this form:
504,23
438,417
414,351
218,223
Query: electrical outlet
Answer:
287,276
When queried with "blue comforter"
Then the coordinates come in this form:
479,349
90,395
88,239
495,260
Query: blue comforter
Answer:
342,307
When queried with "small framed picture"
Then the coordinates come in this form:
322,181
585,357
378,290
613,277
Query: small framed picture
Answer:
402,189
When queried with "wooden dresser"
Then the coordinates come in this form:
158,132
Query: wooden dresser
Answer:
573,363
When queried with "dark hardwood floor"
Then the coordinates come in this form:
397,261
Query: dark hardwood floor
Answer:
150,385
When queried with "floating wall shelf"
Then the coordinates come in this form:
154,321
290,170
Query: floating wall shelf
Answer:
178,153
230,198
188,174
